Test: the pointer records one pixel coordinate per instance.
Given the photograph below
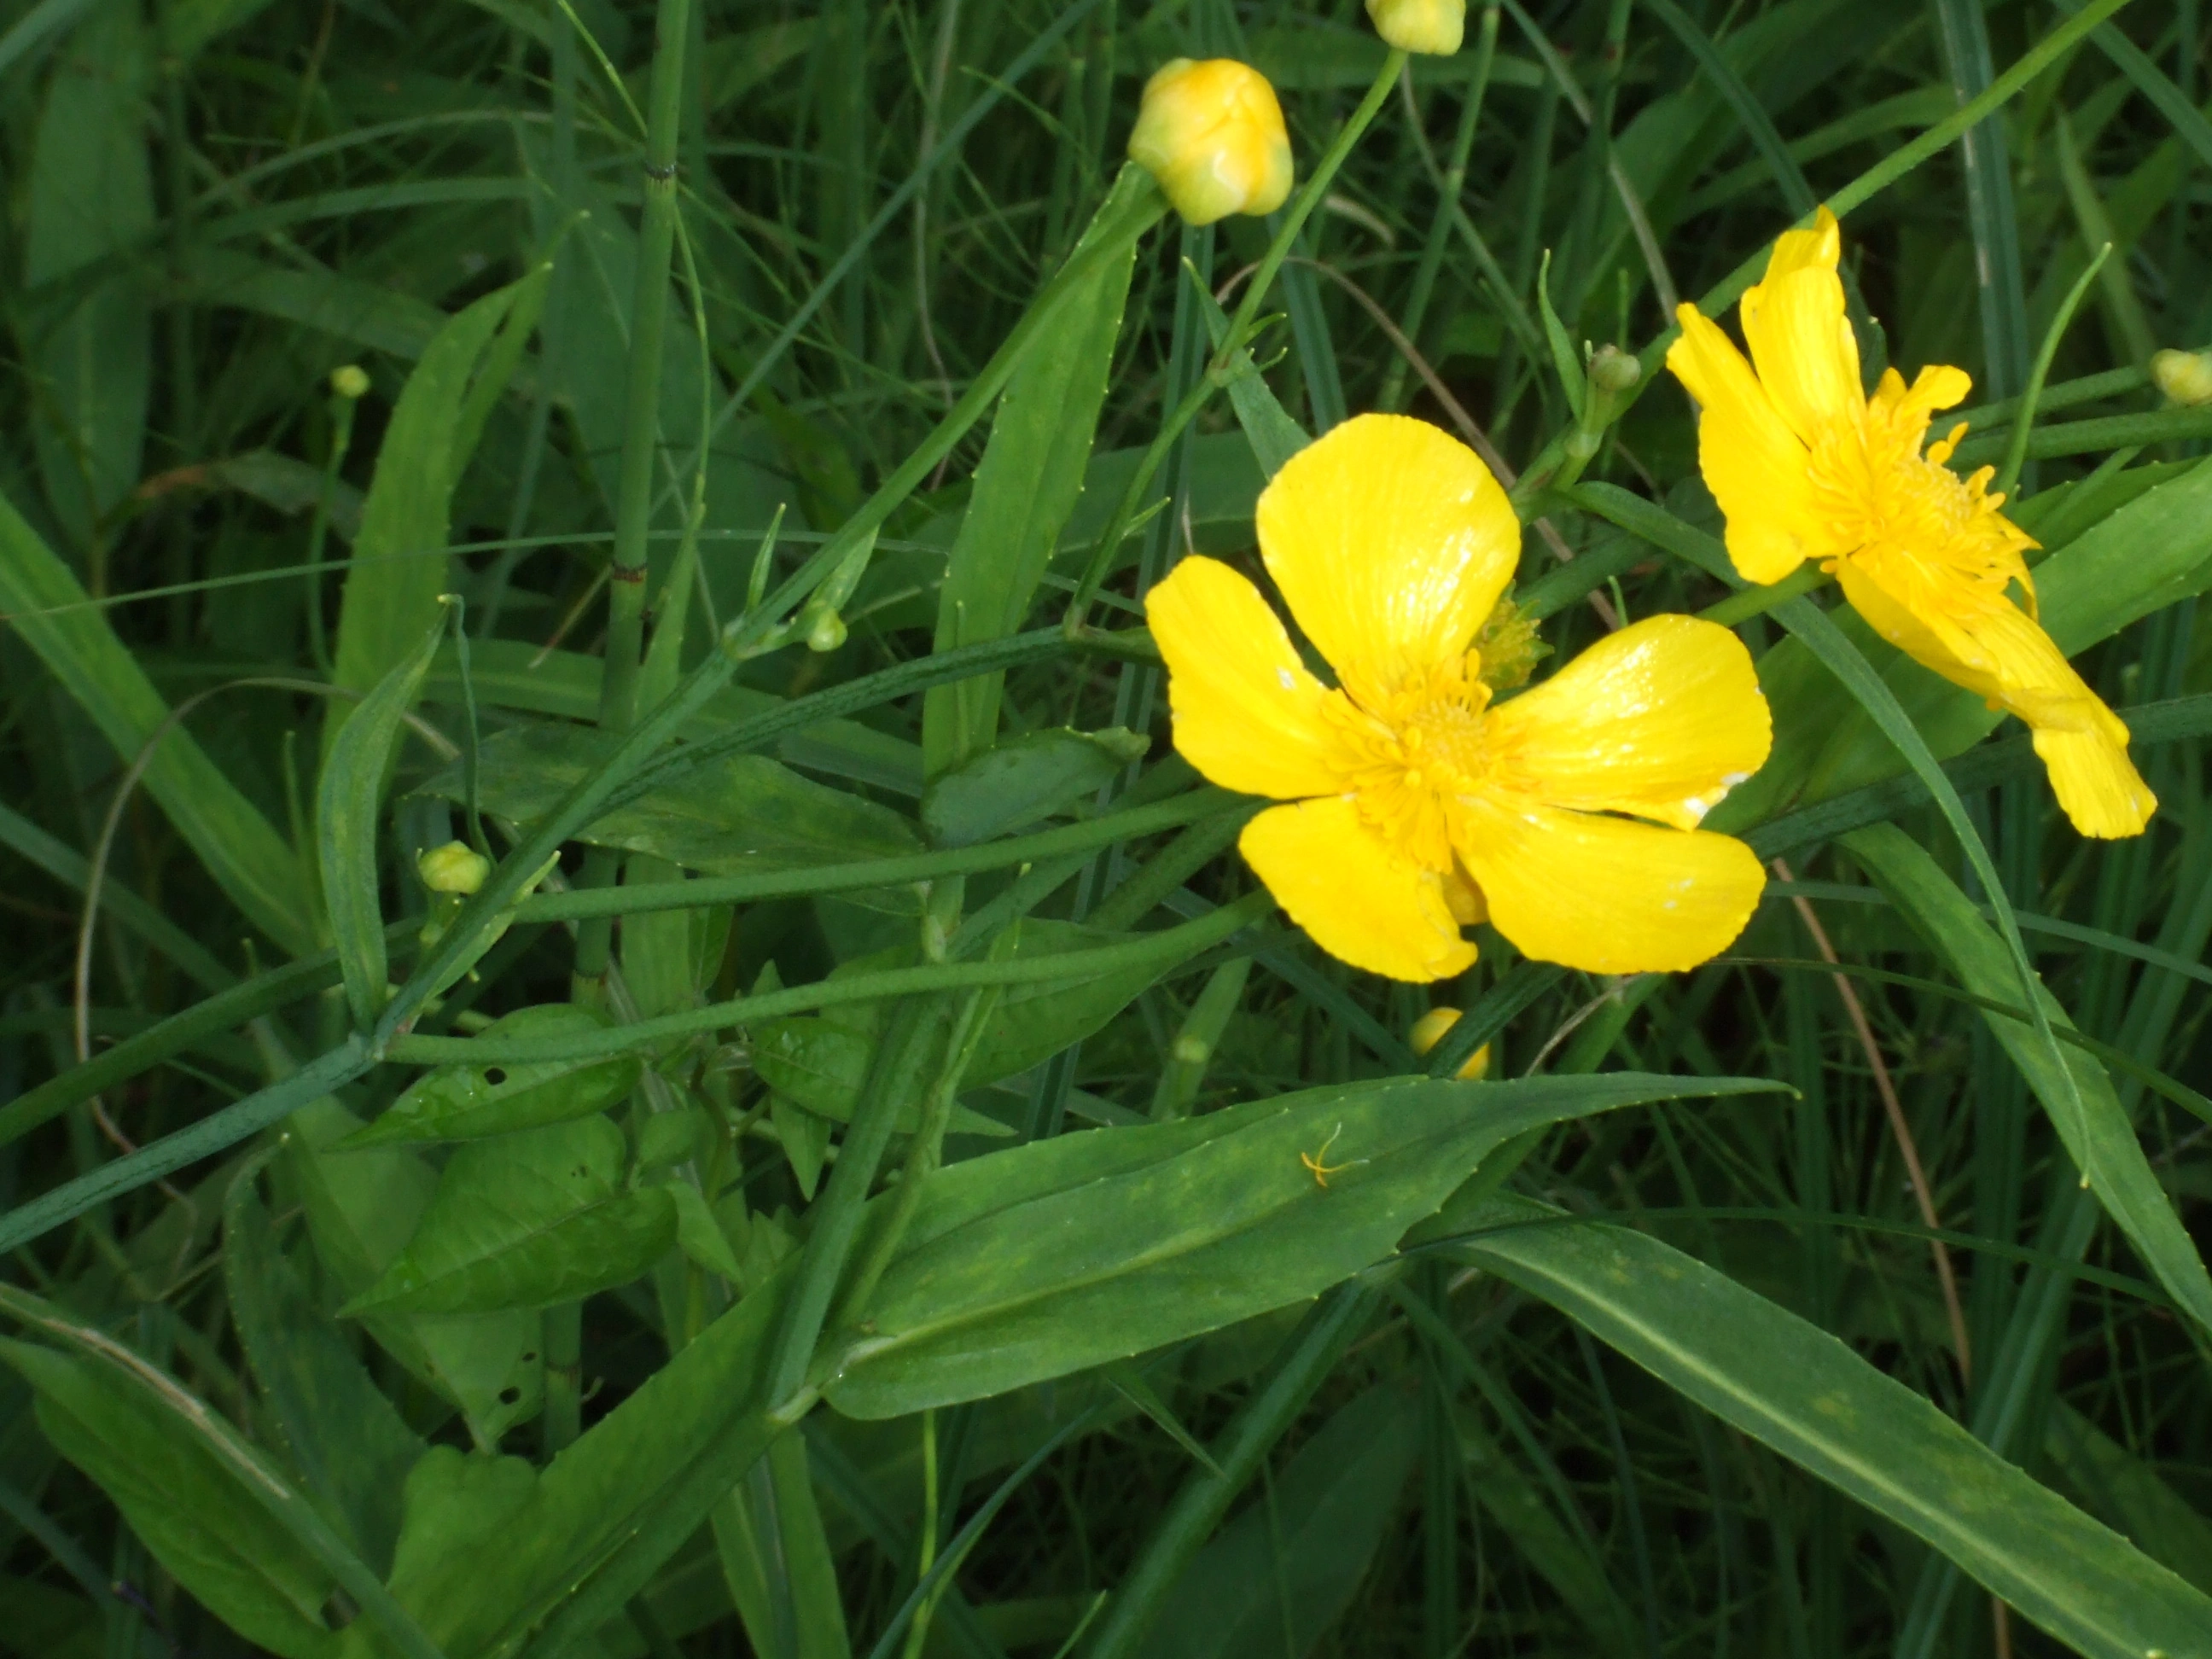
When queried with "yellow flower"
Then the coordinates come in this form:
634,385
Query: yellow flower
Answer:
1213,135
1429,1030
1420,806
1806,466
1435,27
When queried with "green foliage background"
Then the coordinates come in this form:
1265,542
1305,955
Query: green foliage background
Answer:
898,1234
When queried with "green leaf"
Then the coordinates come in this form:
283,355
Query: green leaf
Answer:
469,1102
1025,490
188,25
699,1236
360,1208
192,1509
525,1221
1564,360
2127,1493
49,609
392,588
732,815
820,1062
361,314
2084,1109
348,799
1025,781
1032,1023
1797,1388
1284,1570
90,215
340,1436
607,1511
1066,1254
776,1558
1272,430
454,1501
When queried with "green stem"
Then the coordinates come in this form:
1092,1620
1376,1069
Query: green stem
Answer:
341,440
1299,1367
1448,189
1168,945
2024,424
860,874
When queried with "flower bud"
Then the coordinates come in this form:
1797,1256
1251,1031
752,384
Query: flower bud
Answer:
456,867
350,382
1612,369
1434,26
1213,135
2186,377
1429,1030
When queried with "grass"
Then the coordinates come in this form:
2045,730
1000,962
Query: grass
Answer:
216,204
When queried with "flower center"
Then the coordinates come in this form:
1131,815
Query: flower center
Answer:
1418,745
1889,504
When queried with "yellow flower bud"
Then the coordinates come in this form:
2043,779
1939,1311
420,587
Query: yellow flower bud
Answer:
1429,1030
350,381
2186,377
1213,135
1430,26
456,867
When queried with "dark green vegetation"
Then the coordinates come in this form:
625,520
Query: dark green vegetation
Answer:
1768,1311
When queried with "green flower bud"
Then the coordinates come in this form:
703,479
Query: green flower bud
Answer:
350,382
456,867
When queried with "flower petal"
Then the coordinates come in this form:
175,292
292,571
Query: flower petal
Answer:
1661,719
1982,641
1803,344
1605,895
1391,542
1247,713
1361,901
1753,462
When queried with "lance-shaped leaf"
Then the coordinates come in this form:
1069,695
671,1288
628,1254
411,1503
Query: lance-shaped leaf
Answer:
1066,1254
1025,781
1793,1386
347,803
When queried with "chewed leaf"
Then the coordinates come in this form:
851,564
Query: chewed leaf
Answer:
526,1220
469,1102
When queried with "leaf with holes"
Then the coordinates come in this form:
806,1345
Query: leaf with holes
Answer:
472,1102
526,1220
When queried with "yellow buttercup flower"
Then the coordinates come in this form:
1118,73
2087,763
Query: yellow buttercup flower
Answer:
2186,377
1418,804
1213,135
1806,466
1435,27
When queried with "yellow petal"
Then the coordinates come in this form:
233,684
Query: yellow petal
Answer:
1391,542
1753,462
1360,899
1247,713
1801,343
1819,248
2097,785
1606,895
1982,641
1661,719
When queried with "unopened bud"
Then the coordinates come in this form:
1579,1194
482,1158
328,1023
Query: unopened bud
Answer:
1212,134
1434,26
1429,1030
456,867
350,382
1612,369
826,629
2186,377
